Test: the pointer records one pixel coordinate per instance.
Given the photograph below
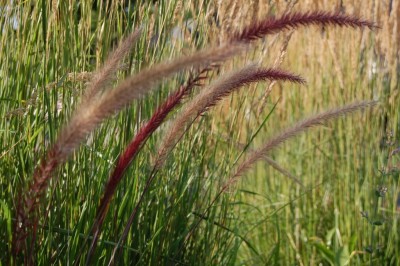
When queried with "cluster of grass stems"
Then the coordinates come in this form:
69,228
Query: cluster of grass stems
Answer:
101,102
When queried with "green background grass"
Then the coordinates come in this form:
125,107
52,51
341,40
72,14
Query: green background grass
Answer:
267,218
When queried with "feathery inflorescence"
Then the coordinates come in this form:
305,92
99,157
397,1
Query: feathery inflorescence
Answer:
89,115
274,25
294,131
104,75
98,105
214,93
135,146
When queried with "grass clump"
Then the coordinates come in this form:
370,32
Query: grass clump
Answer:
170,185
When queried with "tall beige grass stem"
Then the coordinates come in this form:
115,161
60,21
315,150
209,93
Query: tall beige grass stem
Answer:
283,171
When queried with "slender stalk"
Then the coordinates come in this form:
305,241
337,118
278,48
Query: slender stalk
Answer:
375,214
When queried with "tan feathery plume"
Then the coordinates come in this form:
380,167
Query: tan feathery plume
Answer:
294,131
102,77
112,101
89,115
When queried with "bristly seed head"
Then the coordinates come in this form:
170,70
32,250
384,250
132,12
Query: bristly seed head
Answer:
274,25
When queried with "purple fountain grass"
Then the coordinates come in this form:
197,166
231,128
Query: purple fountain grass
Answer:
207,98
97,106
252,32
210,96
89,114
282,137
135,146
27,203
294,20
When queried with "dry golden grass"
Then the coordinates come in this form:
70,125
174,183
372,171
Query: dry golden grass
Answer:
317,53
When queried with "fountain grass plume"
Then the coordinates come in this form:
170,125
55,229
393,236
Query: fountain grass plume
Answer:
294,20
88,116
212,95
294,131
103,76
129,155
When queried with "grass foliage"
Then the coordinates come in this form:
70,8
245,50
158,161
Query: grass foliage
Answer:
199,181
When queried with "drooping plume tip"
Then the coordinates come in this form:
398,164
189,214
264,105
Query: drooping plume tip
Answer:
274,25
